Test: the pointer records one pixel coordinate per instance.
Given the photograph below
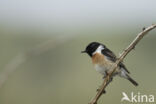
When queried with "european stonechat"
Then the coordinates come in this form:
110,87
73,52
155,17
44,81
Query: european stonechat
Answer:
103,59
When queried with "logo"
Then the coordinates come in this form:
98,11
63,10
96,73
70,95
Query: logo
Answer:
137,97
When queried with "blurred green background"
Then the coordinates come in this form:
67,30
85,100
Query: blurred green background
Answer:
48,36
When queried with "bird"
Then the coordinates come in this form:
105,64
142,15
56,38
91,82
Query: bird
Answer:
103,60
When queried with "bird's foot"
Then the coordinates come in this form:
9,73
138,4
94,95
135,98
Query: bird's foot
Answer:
106,73
102,91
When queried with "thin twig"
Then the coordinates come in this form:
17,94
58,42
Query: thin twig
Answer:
120,59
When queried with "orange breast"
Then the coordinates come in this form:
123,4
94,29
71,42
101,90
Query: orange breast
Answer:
102,61
98,58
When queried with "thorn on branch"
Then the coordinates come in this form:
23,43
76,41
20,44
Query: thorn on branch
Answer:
143,28
104,91
133,47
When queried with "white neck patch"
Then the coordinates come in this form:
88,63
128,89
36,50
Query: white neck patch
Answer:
99,49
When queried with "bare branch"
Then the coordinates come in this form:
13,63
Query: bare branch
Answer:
120,59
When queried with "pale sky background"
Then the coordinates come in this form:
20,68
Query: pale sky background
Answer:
73,14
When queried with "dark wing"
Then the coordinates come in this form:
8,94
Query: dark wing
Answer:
124,67
111,56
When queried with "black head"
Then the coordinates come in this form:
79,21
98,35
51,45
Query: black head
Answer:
91,48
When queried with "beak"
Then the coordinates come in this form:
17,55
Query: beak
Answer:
83,51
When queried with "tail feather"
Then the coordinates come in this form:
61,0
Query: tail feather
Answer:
132,81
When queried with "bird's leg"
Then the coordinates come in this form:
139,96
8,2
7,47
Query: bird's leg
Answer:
111,79
106,73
